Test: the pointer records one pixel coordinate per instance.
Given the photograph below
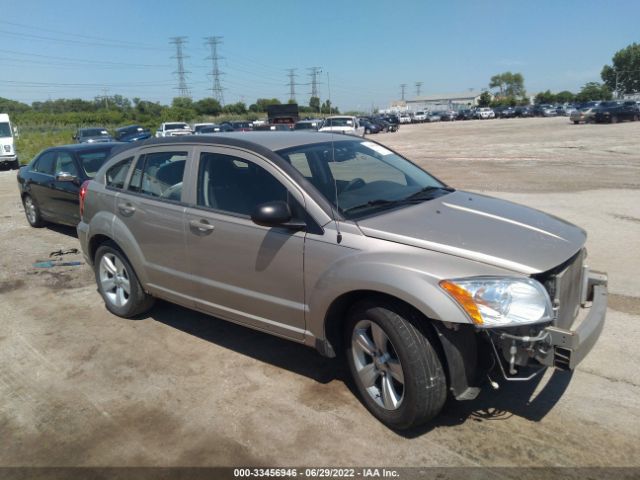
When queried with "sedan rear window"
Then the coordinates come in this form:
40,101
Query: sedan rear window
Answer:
93,160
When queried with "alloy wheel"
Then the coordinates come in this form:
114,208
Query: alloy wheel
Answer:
30,210
377,365
114,280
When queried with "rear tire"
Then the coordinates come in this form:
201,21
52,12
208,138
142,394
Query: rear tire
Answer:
396,370
32,212
118,283
576,122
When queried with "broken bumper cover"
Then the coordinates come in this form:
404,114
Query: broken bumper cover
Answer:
569,347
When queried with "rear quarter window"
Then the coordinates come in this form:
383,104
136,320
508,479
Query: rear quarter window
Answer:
117,174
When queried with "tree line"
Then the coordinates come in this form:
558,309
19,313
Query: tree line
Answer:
620,78
117,109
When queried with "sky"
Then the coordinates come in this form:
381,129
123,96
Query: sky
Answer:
366,49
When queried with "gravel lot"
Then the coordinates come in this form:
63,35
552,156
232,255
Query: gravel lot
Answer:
79,386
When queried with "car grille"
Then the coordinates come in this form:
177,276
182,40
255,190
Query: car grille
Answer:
564,285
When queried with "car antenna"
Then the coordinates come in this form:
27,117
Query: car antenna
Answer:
333,159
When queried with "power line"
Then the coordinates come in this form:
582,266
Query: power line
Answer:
182,88
216,88
123,43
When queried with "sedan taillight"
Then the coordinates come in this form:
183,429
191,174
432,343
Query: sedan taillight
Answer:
83,194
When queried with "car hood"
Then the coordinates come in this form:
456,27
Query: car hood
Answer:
96,139
483,229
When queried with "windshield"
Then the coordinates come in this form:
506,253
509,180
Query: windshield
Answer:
338,122
5,130
176,126
93,132
360,178
91,161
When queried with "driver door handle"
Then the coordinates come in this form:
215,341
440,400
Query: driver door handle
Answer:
126,208
202,226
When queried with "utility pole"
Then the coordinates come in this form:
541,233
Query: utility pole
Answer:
292,85
216,87
403,86
105,97
183,90
418,87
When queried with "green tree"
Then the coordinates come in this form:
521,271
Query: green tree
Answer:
314,104
509,84
263,103
545,97
565,97
624,75
485,99
238,108
593,91
182,102
208,106
12,106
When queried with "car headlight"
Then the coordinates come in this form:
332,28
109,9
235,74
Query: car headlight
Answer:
500,301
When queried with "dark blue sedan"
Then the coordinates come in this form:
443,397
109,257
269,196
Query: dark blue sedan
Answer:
132,133
50,184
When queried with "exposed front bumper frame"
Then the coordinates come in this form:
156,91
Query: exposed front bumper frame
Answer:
559,347
570,347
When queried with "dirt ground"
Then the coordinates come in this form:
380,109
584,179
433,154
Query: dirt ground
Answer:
81,387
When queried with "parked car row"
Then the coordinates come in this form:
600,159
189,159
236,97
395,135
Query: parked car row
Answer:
332,242
599,112
130,133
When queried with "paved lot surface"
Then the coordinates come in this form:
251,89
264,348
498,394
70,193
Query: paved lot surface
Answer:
79,386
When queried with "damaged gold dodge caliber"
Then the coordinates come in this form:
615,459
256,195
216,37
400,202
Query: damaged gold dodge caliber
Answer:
341,244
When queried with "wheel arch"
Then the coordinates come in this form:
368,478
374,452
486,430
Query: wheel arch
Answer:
455,344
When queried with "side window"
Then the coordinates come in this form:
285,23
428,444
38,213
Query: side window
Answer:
236,185
117,174
45,163
301,163
159,175
65,163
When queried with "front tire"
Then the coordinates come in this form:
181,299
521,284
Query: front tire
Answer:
118,283
395,368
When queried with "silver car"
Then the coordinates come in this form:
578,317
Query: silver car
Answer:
341,244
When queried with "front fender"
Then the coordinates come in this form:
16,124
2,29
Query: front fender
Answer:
364,272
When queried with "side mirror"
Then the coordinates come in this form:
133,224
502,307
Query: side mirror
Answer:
74,136
65,177
276,214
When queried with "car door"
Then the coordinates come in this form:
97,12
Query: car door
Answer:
63,196
151,211
40,181
244,272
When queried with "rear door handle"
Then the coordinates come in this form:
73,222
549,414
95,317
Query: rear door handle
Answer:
126,208
202,226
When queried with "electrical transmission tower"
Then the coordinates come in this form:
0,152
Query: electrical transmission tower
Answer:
314,72
216,88
403,87
182,88
418,87
292,84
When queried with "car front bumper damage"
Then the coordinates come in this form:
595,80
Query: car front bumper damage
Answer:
523,354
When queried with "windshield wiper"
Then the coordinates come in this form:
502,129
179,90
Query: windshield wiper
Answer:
417,197
373,203
420,194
